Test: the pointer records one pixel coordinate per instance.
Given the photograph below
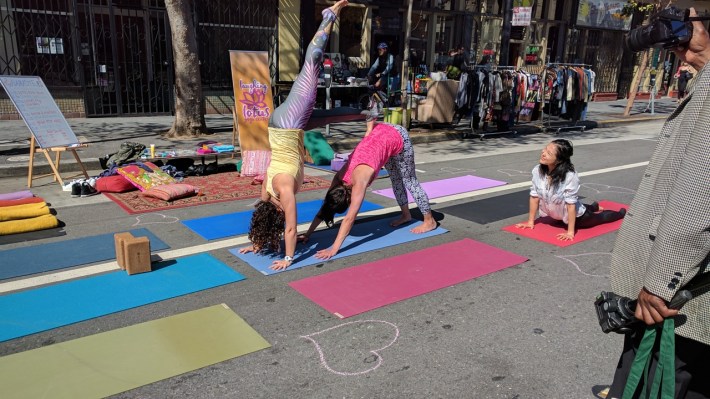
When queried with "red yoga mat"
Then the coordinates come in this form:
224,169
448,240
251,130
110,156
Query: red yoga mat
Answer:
355,290
547,229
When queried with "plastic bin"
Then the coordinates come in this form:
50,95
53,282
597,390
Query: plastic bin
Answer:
393,115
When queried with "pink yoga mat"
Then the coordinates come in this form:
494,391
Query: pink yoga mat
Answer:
455,185
546,232
355,290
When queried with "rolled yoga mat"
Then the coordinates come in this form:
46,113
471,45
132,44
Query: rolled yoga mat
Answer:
21,201
24,211
115,361
62,254
16,195
41,309
24,226
358,289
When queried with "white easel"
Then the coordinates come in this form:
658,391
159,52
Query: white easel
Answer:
50,132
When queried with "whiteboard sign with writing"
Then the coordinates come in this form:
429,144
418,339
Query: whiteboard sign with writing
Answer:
39,111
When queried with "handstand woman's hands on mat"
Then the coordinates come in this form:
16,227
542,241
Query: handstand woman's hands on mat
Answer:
275,214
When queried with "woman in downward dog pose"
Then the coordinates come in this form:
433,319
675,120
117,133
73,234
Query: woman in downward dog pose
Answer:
275,213
386,145
554,189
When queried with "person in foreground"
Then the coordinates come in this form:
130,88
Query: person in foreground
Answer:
387,145
664,242
275,213
554,189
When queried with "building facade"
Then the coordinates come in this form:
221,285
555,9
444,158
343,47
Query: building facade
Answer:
114,57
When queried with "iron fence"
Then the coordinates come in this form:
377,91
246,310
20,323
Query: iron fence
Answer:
114,57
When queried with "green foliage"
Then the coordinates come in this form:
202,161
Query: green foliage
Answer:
633,6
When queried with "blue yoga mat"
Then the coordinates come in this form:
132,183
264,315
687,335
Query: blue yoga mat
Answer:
363,237
62,254
42,309
234,224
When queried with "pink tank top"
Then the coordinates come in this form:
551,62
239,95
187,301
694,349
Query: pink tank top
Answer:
375,150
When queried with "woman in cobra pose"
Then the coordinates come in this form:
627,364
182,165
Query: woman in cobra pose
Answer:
386,145
554,189
275,213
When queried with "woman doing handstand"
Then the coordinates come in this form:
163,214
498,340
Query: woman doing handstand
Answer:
554,189
275,213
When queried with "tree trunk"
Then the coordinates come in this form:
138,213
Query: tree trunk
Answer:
189,118
635,83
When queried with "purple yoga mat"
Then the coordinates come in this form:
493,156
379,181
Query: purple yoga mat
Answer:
455,185
351,291
16,195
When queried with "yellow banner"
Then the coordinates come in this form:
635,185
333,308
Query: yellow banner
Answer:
253,107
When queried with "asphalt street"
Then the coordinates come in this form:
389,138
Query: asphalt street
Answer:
528,331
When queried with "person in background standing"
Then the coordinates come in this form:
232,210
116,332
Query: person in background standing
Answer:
684,74
382,68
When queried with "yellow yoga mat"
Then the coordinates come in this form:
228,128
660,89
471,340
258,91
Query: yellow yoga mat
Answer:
43,222
116,361
23,211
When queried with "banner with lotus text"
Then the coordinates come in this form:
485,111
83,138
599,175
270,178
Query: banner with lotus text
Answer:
253,107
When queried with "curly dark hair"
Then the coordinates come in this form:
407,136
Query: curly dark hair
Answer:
267,225
564,162
337,200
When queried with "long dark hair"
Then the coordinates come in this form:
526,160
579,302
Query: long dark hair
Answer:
564,163
267,226
337,200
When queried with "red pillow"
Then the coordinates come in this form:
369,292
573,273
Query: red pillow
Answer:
114,184
169,192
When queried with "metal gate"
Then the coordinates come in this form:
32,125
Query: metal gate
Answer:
125,57
36,39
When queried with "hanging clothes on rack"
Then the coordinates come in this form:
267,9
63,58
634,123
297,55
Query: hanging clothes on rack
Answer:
570,88
500,96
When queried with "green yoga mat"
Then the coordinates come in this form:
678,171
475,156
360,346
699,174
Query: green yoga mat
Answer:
116,361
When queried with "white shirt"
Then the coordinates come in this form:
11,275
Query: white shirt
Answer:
553,201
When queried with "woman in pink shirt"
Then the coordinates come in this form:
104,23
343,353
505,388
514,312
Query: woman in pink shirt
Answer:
386,145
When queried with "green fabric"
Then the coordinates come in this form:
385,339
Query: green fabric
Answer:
115,361
317,146
664,378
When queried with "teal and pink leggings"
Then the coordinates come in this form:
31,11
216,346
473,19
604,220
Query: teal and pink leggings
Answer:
295,112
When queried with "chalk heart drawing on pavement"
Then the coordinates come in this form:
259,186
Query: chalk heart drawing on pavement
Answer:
513,172
355,342
604,188
589,263
154,218
454,171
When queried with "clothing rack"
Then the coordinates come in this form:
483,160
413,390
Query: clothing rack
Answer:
547,127
483,133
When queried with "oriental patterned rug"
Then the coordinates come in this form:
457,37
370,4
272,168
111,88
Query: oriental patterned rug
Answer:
218,187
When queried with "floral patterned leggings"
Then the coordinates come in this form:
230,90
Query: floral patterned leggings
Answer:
403,174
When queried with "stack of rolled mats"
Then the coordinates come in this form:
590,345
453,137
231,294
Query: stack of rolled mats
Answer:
22,212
